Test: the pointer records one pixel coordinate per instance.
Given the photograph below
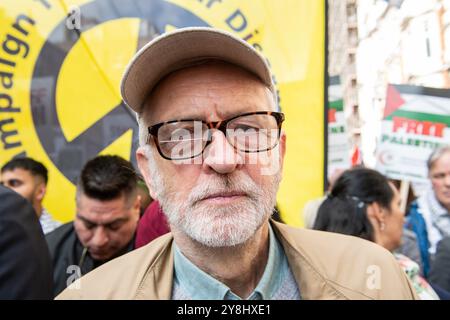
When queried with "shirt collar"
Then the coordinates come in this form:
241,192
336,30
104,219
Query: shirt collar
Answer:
44,213
200,286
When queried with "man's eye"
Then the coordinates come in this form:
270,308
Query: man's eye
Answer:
246,127
115,226
183,132
89,225
15,183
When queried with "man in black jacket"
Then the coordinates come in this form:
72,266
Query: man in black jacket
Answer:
440,268
25,264
108,207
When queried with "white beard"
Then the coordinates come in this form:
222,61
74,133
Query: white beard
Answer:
217,225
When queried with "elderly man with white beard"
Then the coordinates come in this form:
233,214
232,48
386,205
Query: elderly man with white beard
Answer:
211,152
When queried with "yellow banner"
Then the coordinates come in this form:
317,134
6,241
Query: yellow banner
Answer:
61,64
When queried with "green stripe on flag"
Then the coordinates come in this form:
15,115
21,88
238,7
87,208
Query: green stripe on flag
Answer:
338,105
419,116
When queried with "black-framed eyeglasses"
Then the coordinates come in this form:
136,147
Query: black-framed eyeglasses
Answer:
187,138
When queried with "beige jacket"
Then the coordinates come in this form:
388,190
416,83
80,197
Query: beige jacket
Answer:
325,266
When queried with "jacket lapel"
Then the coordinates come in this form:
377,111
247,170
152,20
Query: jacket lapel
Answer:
158,279
312,285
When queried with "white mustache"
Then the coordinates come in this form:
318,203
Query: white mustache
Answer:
224,185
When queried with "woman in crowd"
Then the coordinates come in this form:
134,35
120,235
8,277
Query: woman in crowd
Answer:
365,204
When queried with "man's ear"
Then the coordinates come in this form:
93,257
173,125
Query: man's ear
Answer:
142,161
137,205
40,191
137,202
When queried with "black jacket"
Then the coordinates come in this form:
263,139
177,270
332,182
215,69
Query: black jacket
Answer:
70,259
25,265
440,268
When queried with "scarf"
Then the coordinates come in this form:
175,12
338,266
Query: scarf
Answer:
440,217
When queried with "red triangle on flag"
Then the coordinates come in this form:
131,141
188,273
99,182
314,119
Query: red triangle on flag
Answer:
393,100
356,157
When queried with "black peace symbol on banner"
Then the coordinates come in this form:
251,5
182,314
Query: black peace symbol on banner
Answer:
70,156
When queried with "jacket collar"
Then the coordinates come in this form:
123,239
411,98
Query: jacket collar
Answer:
158,280
312,284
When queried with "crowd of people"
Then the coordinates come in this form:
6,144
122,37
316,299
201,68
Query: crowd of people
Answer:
362,202
195,219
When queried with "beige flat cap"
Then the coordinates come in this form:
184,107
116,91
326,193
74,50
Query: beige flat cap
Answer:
184,47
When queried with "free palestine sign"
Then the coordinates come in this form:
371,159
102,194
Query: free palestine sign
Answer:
416,121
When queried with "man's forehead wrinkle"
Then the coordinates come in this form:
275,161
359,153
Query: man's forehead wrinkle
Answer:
100,218
219,75
102,209
194,87
209,89
17,174
201,86
103,216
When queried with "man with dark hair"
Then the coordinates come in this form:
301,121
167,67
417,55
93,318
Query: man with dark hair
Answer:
29,178
104,227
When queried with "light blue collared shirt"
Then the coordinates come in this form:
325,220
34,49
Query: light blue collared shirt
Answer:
192,283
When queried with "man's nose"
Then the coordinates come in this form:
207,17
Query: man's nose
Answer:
100,237
220,155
